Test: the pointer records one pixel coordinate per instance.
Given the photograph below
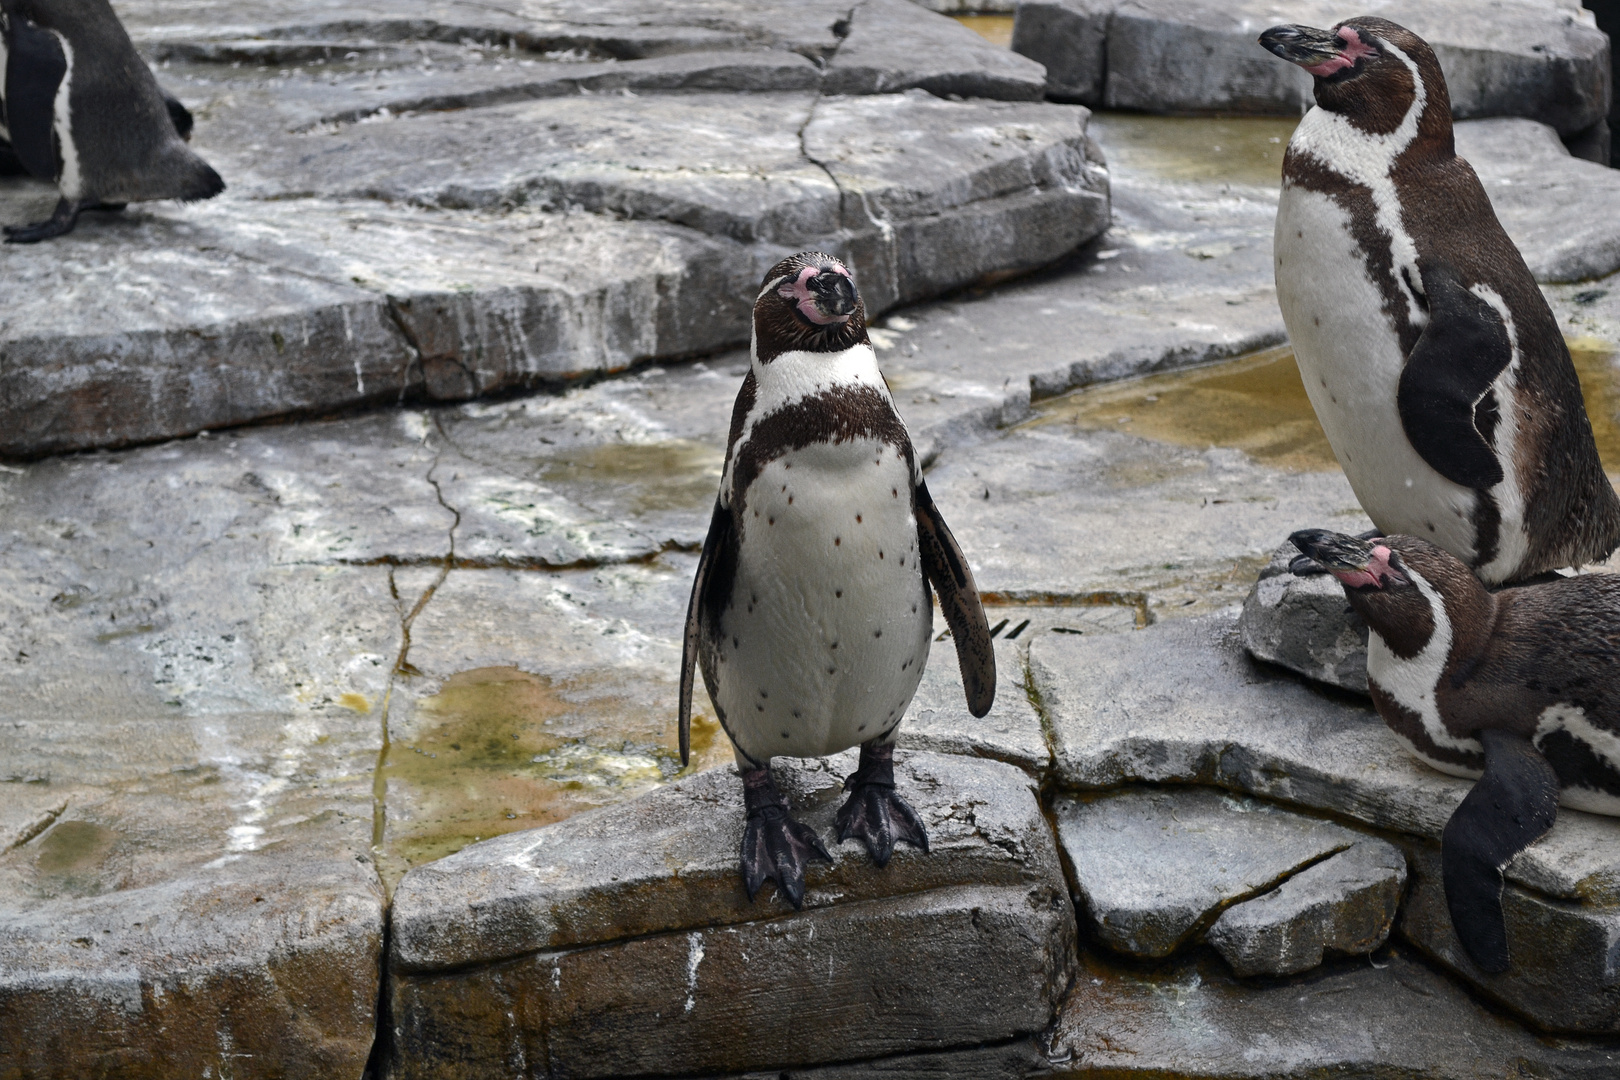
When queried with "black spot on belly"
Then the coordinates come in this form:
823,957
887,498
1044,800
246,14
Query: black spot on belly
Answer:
838,541
857,519
784,734
880,553
877,633
838,594
1577,764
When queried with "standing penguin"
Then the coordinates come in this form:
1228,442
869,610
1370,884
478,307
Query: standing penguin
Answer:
1432,359
1519,688
811,615
81,109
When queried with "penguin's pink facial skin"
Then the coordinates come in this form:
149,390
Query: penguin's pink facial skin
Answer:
1355,562
1354,49
1376,574
826,305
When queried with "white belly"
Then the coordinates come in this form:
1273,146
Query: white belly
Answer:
1351,362
830,623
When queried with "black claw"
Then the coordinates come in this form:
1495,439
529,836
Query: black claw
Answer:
775,847
874,814
59,223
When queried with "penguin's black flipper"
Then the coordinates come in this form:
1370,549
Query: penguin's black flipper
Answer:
711,587
35,68
1444,398
947,569
1511,807
179,115
10,163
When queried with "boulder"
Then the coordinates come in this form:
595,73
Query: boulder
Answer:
1183,702
620,942
1546,61
1305,625
1153,869
889,48
1345,903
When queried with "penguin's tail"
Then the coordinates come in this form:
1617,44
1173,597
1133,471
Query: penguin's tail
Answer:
201,183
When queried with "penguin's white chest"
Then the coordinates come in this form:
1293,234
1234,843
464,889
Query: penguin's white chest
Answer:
829,624
1350,359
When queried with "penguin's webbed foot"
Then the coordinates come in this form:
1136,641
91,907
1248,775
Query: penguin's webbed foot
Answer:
60,223
874,814
774,846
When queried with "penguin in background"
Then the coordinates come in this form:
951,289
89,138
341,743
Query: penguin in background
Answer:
80,109
1519,689
811,613
1433,361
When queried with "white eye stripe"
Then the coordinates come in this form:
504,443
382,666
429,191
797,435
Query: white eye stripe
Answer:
769,285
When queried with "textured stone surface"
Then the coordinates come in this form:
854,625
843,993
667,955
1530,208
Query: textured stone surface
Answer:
1345,903
1182,702
1154,869
1545,61
620,942
403,218
1391,1019
1305,625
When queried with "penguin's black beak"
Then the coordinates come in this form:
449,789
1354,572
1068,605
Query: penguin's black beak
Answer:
1352,560
1303,45
833,294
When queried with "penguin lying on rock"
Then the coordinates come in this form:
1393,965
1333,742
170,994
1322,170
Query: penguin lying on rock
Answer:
1519,688
80,108
811,614
1433,361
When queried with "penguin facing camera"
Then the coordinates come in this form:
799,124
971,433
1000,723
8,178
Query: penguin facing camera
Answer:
1433,361
811,614
79,108
1519,688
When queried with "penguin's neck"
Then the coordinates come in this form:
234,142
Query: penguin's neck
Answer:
797,374
1455,614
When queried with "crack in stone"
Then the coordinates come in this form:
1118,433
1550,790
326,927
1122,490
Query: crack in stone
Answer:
1202,926
841,29
35,827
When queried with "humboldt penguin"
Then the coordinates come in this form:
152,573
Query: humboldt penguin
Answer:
80,109
1519,688
811,613
1433,361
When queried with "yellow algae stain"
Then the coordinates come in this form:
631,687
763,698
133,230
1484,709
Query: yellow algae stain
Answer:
1595,366
673,475
1256,403
996,29
73,847
1237,150
498,749
358,702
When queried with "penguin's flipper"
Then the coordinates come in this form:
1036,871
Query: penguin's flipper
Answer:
179,115
1511,807
35,67
60,223
717,567
10,163
1444,398
947,570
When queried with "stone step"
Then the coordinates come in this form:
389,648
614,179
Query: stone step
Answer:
627,938
1533,58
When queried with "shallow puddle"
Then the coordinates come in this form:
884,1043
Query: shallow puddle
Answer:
499,749
639,477
74,847
1246,150
996,29
1257,403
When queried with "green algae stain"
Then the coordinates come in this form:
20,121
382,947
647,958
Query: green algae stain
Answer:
497,750
1246,150
72,848
996,29
643,477
1596,367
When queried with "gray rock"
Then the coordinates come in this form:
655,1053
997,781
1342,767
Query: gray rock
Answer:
1544,61
1394,1017
1562,954
1153,869
1345,903
1181,702
628,938
1305,625
888,48
1562,212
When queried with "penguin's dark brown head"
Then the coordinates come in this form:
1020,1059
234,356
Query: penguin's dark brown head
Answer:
1369,69
808,302
1359,565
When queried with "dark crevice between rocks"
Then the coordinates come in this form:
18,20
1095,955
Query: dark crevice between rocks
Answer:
841,30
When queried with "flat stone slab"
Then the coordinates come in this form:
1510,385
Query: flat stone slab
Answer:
1545,61
1183,702
1393,1016
629,940
1305,624
1153,869
1345,903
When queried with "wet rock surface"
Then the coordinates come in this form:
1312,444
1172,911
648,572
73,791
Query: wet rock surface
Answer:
620,942
1155,869
1545,61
